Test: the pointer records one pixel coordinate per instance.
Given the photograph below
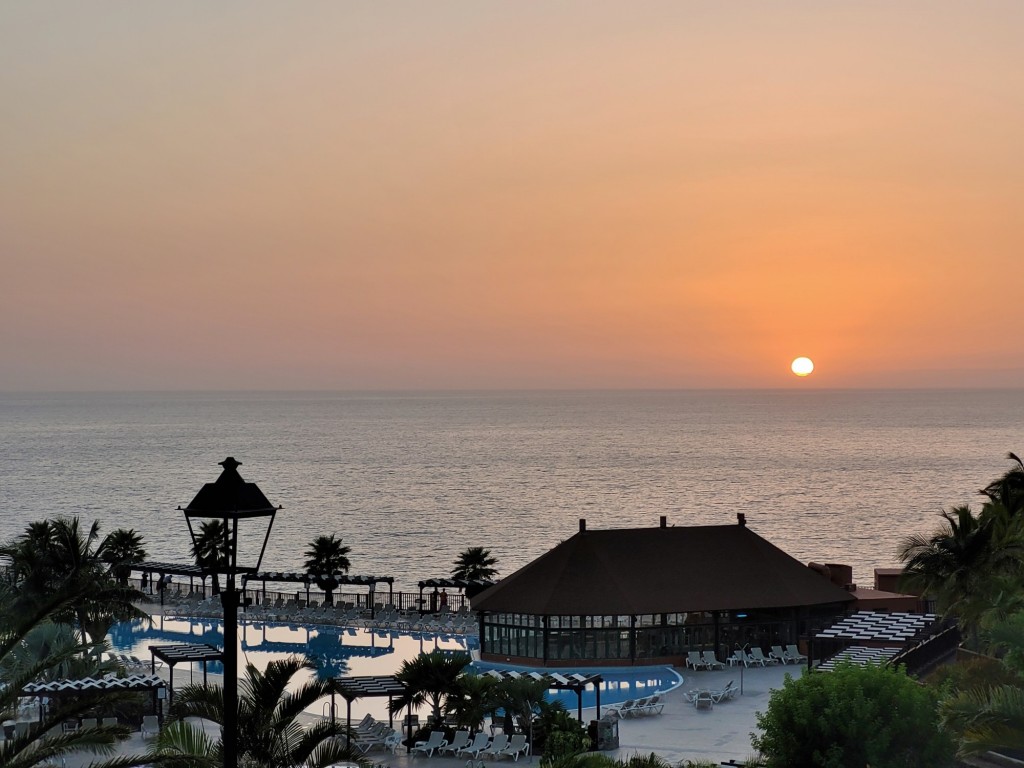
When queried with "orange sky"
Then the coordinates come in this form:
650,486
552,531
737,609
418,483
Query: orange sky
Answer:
460,195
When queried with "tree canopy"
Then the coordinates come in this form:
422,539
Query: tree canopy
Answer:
475,564
326,556
852,716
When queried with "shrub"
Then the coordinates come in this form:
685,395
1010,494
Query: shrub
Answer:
852,716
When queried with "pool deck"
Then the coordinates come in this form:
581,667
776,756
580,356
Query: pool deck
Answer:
679,733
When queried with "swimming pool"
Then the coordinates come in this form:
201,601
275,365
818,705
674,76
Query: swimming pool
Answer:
355,651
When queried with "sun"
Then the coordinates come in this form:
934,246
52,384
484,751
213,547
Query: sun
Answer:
802,366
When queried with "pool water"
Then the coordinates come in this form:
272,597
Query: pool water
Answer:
354,651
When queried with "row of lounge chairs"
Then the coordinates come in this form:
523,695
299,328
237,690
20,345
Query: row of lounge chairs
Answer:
707,659
133,665
647,705
388,617
477,747
372,734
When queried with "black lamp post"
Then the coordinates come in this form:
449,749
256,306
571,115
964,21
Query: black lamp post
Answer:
230,500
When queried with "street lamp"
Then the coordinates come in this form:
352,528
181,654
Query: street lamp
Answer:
230,500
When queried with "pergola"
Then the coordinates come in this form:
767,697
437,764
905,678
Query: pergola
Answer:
56,688
575,683
308,578
373,686
478,584
171,569
183,652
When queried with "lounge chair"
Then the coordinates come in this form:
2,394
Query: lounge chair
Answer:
704,700
725,694
779,654
758,656
459,741
434,743
150,726
618,709
393,741
109,721
694,660
794,653
480,743
498,745
739,657
712,661
653,706
516,746
90,722
636,709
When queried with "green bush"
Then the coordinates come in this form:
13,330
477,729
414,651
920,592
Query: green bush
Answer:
852,717
561,744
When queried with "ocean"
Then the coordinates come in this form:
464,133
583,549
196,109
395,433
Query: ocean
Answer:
409,480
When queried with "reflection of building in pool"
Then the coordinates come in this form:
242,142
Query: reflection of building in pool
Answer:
650,595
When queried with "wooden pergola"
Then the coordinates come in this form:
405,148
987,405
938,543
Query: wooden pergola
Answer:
182,653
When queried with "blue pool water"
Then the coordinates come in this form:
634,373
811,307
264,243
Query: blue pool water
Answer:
352,651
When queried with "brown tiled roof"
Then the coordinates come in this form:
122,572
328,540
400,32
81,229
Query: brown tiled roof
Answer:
637,571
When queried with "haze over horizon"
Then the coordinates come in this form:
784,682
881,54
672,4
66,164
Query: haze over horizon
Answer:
462,195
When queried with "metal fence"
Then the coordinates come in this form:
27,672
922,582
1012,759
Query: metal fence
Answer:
429,601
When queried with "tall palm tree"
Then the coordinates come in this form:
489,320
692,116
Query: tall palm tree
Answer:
269,735
429,678
210,549
327,556
120,550
475,564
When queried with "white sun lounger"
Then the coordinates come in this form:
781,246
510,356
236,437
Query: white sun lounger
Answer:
498,745
516,746
434,743
480,743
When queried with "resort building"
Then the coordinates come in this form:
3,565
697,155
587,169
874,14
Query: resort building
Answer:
651,595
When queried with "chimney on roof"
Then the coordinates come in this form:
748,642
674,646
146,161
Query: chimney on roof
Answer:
583,525
664,521
741,519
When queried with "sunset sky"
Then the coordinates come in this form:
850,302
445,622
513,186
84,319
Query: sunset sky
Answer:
341,195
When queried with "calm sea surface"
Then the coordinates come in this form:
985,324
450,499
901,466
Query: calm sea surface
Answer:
410,480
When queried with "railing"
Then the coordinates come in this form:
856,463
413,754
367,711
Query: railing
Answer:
432,602
922,657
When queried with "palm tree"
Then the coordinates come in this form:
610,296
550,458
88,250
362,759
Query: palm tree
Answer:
327,556
475,564
471,701
32,648
60,556
986,718
268,732
958,562
429,678
1008,490
210,549
122,549
522,697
